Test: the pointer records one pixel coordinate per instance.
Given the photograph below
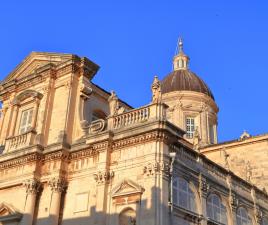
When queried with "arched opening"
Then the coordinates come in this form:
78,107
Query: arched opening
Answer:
98,114
242,217
127,217
183,195
216,210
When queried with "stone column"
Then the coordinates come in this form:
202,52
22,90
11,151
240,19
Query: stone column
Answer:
57,185
103,176
32,188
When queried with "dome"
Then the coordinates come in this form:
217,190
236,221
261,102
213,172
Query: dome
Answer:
181,78
184,80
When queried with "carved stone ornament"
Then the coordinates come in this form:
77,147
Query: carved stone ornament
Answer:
233,200
32,186
244,135
113,103
103,176
85,127
203,186
85,91
97,126
153,168
258,215
156,90
57,184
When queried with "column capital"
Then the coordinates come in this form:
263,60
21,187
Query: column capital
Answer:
57,184
32,186
102,177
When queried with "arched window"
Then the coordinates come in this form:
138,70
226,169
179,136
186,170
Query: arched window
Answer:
183,196
215,209
98,114
242,217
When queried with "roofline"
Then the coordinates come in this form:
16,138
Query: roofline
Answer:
235,142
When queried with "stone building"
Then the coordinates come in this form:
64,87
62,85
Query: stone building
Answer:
72,153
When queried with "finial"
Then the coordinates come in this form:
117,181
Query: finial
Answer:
180,60
180,44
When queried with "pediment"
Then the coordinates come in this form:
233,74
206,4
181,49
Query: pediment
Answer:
34,61
127,187
7,210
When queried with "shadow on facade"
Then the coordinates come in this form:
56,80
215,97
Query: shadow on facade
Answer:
136,213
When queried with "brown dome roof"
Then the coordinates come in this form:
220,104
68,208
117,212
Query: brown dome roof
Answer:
184,80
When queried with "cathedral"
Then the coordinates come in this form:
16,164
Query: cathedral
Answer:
73,153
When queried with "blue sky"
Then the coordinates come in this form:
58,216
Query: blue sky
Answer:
132,41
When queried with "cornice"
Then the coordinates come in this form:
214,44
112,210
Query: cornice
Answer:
58,155
82,153
141,139
32,157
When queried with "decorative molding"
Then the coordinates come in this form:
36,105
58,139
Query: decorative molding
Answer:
32,186
100,145
140,139
82,153
97,126
57,184
62,155
26,94
102,177
21,161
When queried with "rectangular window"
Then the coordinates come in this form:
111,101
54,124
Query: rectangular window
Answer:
190,127
26,120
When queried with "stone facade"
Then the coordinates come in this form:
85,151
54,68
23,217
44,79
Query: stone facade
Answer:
73,153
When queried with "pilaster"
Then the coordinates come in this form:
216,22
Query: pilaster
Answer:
58,186
32,187
203,193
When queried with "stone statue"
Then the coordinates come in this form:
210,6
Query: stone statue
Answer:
196,139
156,91
113,103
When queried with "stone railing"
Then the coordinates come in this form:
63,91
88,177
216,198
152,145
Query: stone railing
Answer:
20,141
136,116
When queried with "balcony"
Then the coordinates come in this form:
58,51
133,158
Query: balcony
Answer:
137,116
20,141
